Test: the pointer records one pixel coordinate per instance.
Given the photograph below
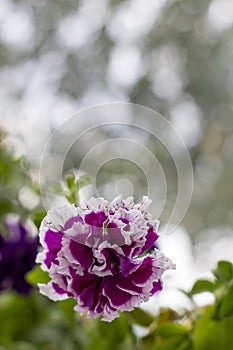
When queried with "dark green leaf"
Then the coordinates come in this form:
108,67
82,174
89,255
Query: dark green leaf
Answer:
141,317
116,329
67,307
226,306
224,271
16,317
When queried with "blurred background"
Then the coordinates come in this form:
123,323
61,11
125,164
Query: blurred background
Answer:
173,56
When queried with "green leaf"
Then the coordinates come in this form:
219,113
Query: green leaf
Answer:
37,275
170,329
115,335
224,271
17,317
38,217
186,345
70,180
70,186
201,286
67,306
173,343
84,180
73,186
226,306
140,317
213,334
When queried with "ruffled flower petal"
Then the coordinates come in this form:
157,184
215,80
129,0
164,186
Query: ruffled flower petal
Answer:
103,255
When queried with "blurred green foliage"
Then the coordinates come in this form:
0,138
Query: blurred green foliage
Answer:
38,323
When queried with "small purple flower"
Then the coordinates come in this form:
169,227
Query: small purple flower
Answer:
102,255
17,256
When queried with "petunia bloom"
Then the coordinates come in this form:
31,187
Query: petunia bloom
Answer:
102,255
17,256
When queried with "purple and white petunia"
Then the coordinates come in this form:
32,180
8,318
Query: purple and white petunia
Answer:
102,255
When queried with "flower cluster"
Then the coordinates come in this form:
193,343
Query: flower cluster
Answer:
17,256
102,254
